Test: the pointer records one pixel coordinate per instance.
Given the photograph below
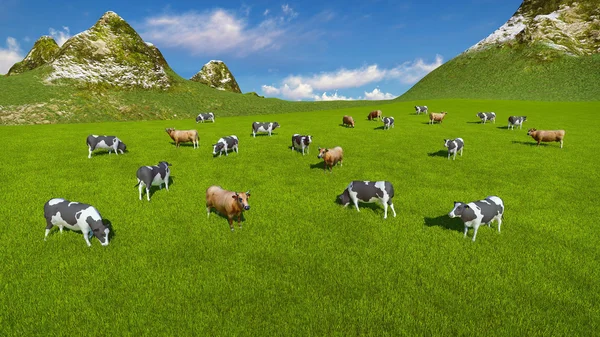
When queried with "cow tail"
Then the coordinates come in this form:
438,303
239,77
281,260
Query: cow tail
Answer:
139,181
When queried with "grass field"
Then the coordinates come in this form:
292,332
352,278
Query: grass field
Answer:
301,264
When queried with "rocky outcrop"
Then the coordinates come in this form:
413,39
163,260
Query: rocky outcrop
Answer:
216,74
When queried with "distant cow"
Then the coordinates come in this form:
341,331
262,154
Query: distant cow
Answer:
184,136
152,176
436,117
374,114
479,212
75,216
347,121
422,108
264,127
387,122
205,117
224,144
547,136
301,142
229,203
369,192
331,157
111,143
516,120
487,116
454,145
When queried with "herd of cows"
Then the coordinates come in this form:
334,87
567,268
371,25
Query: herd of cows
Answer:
86,218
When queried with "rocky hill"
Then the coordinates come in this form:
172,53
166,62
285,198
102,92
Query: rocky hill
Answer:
216,74
43,51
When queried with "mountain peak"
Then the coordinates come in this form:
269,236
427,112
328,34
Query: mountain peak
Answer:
216,74
43,51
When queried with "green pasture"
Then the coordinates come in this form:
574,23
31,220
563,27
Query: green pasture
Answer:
302,265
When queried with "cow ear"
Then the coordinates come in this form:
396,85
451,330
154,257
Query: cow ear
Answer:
234,196
248,193
467,206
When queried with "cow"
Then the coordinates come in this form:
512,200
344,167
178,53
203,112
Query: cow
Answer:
75,216
516,120
111,143
387,122
228,203
422,108
205,117
369,192
479,212
331,157
153,175
436,117
347,121
224,144
454,145
487,116
264,127
374,114
301,142
184,136
547,136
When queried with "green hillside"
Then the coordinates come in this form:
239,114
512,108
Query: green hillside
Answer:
521,73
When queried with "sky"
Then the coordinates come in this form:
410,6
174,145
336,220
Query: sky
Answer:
294,50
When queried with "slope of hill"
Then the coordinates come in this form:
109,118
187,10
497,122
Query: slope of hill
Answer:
43,51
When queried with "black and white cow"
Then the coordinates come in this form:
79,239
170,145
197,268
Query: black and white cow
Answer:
264,127
516,120
224,144
387,122
205,117
421,108
75,216
487,116
301,142
153,176
111,143
479,212
454,145
369,192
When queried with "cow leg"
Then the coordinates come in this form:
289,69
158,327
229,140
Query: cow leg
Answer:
475,228
141,187
167,183
226,152
466,229
561,143
385,206
49,226
253,134
499,219
240,221
539,142
148,193
90,149
461,151
392,206
449,154
207,212
87,240
116,150
303,151
230,219
454,158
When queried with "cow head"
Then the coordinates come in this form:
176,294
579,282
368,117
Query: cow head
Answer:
322,152
242,199
480,115
344,198
524,118
531,131
447,142
122,147
169,130
164,163
101,233
217,148
459,208
199,118
307,140
275,125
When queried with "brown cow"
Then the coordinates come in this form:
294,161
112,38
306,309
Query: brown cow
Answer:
374,114
331,156
228,203
547,136
347,120
436,117
184,136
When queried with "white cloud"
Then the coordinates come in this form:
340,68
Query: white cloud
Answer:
60,36
289,11
334,97
270,90
214,32
377,95
10,55
266,12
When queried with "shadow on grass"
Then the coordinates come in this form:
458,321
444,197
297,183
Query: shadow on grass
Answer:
445,221
346,126
502,127
478,122
528,143
263,134
379,128
184,144
105,153
154,189
235,219
319,165
440,153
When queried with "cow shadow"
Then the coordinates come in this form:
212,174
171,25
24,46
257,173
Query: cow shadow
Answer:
505,127
478,122
184,144
154,189
105,153
440,153
263,134
346,126
380,128
226,222
319,165
528,143
374,206
446,222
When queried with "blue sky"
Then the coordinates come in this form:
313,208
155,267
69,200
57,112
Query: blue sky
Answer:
295,50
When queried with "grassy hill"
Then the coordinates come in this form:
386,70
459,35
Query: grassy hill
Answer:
512,73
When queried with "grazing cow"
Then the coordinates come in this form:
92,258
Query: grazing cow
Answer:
369,192
436,117
516,120
387,122
487,116
479,212
184,136
301,142
331,157
264,127
224,144
348,121
75,216
111,143
547,136
422,108
228,203
374,114
454,145
205,117
152,176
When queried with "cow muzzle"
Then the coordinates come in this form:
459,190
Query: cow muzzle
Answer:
452,215
247,207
